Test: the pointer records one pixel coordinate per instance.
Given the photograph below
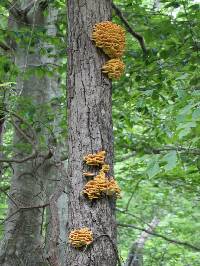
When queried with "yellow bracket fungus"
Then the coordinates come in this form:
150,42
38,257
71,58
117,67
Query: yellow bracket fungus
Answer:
113,188
105,168
114,68
81,237
110,37
95,159
100,185
88,174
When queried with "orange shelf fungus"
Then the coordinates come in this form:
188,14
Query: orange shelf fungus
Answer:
95,159
114,68
110,37
100,185
81,237
94,188
113,188
105,168
88,174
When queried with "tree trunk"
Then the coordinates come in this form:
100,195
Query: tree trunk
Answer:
90,130
23,241
135,256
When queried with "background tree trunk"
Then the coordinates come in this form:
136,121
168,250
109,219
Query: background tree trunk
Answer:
23,241
135,256
90,130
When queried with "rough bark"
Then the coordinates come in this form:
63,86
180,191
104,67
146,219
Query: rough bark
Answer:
2,120
90,130
22,244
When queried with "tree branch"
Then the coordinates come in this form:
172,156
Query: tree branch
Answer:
173,241
130,30
20,13
151,150
33,155
42,3
5,47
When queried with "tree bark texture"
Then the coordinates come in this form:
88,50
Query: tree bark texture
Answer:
23,241
90,130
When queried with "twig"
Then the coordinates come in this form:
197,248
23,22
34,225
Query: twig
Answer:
131,197
123,211
151,150
13,160
24,208
29,6
174,241
5,47
130,30
42,3
11,198
35,154
26,137
26,123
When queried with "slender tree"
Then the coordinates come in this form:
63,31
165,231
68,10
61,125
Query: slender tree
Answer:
34,175
90,130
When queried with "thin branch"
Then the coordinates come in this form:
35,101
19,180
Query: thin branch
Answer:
26,123
13,8
173,241
123,211
173,148
25,159
29,6
132,195
24,208
26,137
5,47
130,30
35,154
151,150
42,3
11,198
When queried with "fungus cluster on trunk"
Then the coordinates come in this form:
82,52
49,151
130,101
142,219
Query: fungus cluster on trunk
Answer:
110,37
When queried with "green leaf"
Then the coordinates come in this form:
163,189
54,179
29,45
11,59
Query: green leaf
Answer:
153,168
171,159
196,115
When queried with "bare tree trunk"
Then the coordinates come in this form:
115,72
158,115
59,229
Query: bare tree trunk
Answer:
23,241
135,256
90,130
2,120
55,175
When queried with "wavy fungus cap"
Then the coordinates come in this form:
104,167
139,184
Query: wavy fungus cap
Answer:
114,68
113,188
105,168
95,187
80,237
110,37
95,159
100,185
